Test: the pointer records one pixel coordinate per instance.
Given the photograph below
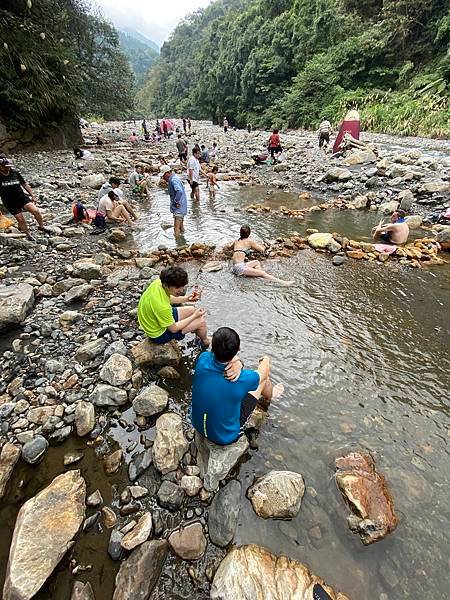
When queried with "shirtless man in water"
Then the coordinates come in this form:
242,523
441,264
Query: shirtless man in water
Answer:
396,232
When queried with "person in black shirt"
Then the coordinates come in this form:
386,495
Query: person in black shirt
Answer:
17,196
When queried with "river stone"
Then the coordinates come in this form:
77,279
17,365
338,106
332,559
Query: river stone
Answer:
115,348
139,574
189,543
366,494
95,164
115,549
432,186
139,464
215,462
191,484
277,495
93,181
90,350
117,235
359,157
107,395
139,534
170,444
40,414
95,499
117,370
444,234
338,174
338,260
82,591
78,292
168,373
45,527
34,450
8,457
319,240
406,198
223,514
414,221
112,461
387,208
148,354
16,301
84,418
170,495
150,401
253,573
86,269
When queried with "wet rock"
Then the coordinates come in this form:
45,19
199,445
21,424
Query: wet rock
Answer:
108,517
84,418
90,350
170,444
34,450
223,514
71,458
338,260
277,495
148,354
168,373
117,235
150,401
78,292
112,462
139,464
137,491
170,495
216,461
93,181
115,549
58,436
189,543
117,370
191,484
367,496
9,456
82,591
320,240
107,395
91,521
139,574
16,301
95,499
139,534
45,526
253,573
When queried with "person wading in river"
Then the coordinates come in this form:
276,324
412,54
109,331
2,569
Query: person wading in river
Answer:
18,196
396,232
178,200
224,394
193,173
242,249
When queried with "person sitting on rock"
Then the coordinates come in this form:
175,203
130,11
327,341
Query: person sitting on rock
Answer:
242,249
114,212
82,154
133,139
163,322
224,394
113,185
99,140
204,157
18,196
137,181
396,232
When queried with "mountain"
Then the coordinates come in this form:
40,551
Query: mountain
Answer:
140,51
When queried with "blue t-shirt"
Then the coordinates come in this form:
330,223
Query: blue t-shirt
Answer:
177,193
216,402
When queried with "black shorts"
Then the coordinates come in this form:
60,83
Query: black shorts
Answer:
248,405
324,137
15,205
182,155
193,185
276,149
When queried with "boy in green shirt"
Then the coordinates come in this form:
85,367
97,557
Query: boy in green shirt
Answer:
160,320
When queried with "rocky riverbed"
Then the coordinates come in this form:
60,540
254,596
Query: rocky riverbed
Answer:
76,367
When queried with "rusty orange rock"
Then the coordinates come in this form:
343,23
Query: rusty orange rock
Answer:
366,493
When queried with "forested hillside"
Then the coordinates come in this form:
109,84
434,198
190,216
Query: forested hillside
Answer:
290,62
58,59
141,53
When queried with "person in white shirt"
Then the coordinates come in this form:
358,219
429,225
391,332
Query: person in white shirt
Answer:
193,172
113,211
113,185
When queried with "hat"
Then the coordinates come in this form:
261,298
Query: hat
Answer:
4,161
165,169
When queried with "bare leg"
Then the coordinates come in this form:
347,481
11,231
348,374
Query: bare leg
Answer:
184,311
253,264
178,226
120,212
251,272
22,224
33,209
129,208
198,326
197,193
267,391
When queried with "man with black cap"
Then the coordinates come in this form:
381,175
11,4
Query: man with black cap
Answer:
178,200
18,196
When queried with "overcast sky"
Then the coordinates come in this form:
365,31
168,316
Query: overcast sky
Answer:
153,18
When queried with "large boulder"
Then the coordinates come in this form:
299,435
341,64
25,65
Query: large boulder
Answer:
117,370
108,395
82,591
84,418
139,574
34,450
215,462
434,186
148,354
414,221
139,534
338,174
277,495
150,401
253,573
387,208
359,157
444,234
406,198
170,443
319,240
189,543
16,301
367,496
8,457
45,527
93,181
223,513
95,164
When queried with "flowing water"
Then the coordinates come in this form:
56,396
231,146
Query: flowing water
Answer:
363,350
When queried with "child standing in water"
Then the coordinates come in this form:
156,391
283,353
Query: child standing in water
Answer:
212,182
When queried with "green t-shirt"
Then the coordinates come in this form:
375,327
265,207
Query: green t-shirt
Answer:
154,310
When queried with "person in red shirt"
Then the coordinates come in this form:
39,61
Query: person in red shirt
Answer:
275,144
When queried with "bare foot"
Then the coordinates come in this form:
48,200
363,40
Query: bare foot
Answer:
278,390
287,283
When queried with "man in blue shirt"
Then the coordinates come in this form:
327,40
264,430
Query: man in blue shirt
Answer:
178,199
221,405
